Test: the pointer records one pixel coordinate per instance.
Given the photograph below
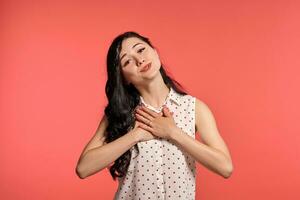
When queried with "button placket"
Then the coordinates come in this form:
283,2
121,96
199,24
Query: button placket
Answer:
158,153
159,170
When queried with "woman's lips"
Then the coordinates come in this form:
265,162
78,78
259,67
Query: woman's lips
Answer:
146,68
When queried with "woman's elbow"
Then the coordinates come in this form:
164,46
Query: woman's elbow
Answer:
228,171
79,172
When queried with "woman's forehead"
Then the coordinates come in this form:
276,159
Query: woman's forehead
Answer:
131,40
130,43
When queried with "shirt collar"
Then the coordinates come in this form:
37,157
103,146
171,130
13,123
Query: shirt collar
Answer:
173,95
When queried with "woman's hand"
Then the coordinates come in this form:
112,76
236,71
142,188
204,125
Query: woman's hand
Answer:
141,134
160,124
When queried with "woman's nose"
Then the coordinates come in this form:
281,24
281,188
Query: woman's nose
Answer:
141,61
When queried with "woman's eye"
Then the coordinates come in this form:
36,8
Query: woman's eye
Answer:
126,62
140,50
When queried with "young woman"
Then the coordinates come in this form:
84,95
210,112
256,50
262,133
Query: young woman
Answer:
147,136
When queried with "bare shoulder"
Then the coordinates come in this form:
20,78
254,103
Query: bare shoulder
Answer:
203,114
206,125
101,130
204,118
98,138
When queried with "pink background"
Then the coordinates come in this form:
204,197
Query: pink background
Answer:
239,57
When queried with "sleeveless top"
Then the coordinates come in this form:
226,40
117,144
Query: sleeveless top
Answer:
162,170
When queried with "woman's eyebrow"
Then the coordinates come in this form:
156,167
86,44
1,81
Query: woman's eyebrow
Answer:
132,48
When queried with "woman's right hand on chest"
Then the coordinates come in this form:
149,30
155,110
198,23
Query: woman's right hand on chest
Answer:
141,134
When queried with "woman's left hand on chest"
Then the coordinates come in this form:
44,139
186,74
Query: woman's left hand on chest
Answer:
160,124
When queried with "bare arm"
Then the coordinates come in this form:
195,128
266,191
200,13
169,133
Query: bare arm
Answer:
97,154
213,152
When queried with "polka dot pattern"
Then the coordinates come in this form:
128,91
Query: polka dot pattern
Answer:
161,170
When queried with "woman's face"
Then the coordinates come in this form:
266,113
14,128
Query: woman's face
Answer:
134,56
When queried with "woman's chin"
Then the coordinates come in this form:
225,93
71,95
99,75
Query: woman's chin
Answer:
152,75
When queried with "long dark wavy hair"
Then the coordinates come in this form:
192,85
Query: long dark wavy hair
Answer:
123,99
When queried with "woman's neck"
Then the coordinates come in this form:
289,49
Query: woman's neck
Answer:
155,93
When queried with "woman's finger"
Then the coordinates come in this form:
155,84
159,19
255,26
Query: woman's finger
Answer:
145,127
145,114
150,112
143,119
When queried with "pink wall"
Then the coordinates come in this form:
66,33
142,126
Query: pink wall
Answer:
240,57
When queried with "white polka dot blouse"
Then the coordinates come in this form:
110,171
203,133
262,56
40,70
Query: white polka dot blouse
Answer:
161,170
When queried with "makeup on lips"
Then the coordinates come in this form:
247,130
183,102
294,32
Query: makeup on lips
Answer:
146,68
